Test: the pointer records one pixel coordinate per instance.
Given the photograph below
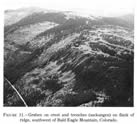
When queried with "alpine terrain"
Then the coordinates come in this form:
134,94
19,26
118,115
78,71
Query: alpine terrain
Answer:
63,58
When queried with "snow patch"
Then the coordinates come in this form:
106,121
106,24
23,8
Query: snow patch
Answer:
74,15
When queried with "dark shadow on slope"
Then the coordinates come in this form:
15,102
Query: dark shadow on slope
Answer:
20,65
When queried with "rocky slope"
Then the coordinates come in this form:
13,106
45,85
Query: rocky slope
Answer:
62,59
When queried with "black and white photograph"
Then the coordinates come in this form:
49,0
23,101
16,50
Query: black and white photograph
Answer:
69,55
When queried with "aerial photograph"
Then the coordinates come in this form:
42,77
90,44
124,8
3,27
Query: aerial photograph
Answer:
67,58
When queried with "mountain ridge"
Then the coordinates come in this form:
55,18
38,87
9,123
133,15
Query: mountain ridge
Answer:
56,60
